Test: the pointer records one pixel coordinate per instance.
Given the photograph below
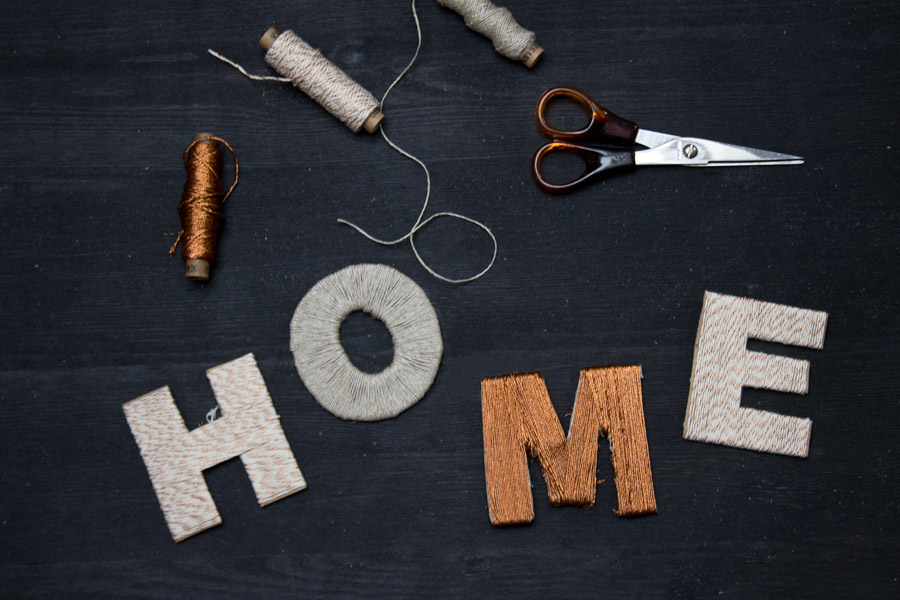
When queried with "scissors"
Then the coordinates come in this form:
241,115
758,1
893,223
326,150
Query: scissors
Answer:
662,148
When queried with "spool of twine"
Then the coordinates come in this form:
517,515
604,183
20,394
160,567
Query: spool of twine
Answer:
510,39
201,204
321,80
306,68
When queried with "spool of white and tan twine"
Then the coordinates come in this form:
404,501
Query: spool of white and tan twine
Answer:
497,24
321,80
298,63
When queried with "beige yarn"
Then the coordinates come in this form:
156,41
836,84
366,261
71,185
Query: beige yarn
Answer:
723,365
321,80
510,39
176,458
325,368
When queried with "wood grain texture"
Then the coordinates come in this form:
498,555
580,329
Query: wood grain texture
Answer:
95,104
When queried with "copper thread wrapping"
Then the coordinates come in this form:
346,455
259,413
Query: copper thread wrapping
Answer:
202,199
618,390
518,417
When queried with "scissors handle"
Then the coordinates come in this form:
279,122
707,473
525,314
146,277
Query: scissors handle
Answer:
597,162
603,125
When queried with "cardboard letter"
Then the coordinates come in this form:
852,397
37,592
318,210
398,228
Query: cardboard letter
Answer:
723,365
518,417
176,457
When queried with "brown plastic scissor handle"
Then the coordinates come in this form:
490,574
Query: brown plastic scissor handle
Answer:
597,163
603,126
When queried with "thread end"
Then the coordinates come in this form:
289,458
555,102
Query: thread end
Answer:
268,38
531,55
372,124
196,268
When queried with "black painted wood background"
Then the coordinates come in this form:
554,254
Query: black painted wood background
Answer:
97,102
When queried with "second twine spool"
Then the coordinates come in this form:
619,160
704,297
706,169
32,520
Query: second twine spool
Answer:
498,25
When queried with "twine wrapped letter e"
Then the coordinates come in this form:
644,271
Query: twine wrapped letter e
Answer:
323,365
723,365
518,417
176,457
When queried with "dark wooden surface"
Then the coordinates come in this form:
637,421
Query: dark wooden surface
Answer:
97,102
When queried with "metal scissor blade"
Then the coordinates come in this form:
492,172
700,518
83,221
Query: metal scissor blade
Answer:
725,155
758,163
652,139
697,152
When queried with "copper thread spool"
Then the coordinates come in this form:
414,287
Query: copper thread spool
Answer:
201,204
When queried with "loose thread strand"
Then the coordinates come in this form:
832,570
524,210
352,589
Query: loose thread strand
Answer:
244,71
419,224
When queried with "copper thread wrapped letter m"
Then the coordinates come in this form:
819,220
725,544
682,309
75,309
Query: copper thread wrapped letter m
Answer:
518,417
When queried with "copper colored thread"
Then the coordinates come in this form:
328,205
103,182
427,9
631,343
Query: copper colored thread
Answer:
518,418
622,421
202,199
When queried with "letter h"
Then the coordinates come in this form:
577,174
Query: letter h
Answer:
176,457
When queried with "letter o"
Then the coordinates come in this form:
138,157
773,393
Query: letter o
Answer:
323,364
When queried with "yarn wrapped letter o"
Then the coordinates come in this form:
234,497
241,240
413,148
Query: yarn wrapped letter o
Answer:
326,370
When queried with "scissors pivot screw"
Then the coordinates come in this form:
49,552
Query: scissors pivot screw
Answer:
690,151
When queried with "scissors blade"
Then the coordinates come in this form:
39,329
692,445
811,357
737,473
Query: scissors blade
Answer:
697,152
652,139
730,155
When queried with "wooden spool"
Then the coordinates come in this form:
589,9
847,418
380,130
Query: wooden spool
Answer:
531,55
372,122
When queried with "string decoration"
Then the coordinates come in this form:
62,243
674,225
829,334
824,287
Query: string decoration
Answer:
323,365
497,24
723,366
307,69
201,204
175,458
518,417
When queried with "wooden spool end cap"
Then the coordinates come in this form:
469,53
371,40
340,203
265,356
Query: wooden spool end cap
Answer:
196,268
531,55
374,121
268,38
200,136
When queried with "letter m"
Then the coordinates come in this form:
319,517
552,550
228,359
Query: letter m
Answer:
519,419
